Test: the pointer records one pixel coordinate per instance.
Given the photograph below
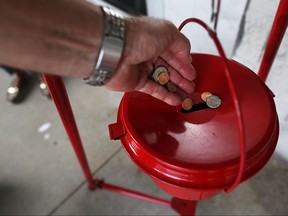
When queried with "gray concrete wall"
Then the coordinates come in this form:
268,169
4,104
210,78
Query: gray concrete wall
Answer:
259,19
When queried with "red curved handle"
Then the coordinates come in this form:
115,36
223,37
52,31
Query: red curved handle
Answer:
239,117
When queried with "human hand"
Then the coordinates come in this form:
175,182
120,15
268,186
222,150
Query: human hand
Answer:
150,43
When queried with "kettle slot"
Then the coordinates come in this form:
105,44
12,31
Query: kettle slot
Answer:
195,107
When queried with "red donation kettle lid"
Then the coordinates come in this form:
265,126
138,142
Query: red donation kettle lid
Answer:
200,150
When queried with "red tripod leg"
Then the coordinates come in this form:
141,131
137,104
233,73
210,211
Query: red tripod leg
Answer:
276,35
184,207
61,100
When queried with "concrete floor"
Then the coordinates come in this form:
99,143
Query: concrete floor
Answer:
41,176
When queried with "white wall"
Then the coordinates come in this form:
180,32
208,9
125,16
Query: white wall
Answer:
179,10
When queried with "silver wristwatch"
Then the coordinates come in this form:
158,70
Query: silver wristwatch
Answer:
111,49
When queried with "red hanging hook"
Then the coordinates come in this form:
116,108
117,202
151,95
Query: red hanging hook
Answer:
239,117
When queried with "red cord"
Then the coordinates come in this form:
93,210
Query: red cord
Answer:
234,96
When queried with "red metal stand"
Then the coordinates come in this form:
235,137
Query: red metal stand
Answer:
276,35
183,207
61,100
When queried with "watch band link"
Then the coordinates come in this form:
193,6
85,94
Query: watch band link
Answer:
111,49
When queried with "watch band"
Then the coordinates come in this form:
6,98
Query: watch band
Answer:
111,49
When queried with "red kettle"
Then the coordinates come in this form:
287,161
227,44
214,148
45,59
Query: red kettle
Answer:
197,154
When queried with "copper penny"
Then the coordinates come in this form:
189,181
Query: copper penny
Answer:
163,78
187,103
205,95
171,87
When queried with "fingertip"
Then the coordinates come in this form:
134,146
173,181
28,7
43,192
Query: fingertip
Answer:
193,86
172,99
190,88
188,72
192,73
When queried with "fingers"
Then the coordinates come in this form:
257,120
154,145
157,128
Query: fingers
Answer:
160,93
143,48
176,77
178,56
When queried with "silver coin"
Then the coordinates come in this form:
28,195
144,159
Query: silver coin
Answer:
213,101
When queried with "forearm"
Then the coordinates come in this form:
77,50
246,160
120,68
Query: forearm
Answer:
61,38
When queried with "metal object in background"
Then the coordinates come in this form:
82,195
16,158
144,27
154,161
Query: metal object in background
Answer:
136,7
215,13
241,29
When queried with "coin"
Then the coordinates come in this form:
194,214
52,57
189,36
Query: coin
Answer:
171,87
213,101
187,103
205,95
163,78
